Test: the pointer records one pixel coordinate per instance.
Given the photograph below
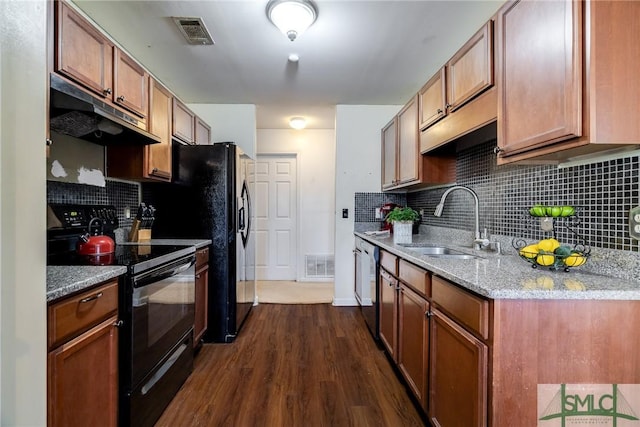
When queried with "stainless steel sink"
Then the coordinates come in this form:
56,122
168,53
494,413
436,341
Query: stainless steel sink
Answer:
439,252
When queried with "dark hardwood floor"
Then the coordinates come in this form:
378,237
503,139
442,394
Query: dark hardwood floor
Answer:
294,365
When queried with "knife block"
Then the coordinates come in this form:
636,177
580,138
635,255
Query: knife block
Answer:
137,234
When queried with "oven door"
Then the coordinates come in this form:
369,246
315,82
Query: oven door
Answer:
162,311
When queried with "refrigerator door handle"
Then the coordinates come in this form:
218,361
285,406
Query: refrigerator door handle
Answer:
241,219
246,200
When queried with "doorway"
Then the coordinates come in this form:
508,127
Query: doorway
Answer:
276,214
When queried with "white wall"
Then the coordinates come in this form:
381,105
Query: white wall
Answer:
358,167
315,153
230,123
23,304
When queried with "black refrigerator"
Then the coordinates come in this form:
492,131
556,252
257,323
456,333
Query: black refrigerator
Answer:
210,198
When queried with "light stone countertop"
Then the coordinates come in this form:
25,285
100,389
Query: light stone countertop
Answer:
507,276
66,280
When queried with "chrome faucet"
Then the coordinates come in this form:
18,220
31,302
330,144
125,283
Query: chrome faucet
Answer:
478,241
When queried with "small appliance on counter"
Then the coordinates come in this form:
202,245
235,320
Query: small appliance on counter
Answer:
384,211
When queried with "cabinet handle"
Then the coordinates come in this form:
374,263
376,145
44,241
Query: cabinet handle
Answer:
49,142
107,91
429,313
497,150
198,276
120,98
448,106
91,298
440,111
159,173
118,324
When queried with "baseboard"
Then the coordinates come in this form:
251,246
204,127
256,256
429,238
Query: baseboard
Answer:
345,302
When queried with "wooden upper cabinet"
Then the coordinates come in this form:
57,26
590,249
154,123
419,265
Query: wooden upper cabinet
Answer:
408,143
470,71
568,64
131,84
540,73
158,158
86,56
432,99
389,147
183,122
203,132
82,53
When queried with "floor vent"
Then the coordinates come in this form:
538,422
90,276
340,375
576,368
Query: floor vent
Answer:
194,30
319,266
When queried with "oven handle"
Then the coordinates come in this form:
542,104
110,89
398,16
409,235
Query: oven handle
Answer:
163,273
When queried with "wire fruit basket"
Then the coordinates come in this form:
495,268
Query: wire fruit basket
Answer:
549,252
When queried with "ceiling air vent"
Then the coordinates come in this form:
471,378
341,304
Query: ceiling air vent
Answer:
194,30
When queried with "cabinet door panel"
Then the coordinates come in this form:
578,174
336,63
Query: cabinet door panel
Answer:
203,132
458,375
388,312
408,143
389,146
183,122
540,74
158,164
432,100
470,71
131,84
82,52
201,304
413,342
83,379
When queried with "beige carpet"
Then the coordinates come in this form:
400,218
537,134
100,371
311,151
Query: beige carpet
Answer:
285,292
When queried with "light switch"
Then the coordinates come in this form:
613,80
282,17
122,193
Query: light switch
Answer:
345,213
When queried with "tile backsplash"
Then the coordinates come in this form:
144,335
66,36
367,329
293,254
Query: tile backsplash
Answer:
121,194
602,192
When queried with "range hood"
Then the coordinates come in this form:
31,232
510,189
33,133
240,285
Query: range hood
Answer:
77,113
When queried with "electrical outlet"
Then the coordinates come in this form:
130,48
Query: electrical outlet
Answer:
634,223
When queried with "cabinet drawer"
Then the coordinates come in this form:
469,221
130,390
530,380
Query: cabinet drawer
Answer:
415,277
468,309
72,316
389,262
202,257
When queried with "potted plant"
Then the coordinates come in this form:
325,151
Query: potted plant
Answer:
402,220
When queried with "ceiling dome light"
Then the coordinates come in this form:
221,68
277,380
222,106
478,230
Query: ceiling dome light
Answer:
298,123
292,17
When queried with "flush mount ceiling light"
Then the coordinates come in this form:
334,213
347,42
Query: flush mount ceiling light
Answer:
292,17
298,123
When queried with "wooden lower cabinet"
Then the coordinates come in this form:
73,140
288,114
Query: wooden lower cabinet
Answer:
413,341
202,296
388,307
82,363
458,375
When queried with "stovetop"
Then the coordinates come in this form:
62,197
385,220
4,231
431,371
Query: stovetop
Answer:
136,258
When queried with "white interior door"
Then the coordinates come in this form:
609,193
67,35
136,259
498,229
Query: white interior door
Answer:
275,213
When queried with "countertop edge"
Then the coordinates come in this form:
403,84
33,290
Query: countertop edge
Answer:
84,277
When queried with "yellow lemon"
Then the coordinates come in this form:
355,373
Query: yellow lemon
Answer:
548,245
575,260
544,259
530,251
545,282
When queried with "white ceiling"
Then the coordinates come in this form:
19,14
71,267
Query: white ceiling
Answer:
369,52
